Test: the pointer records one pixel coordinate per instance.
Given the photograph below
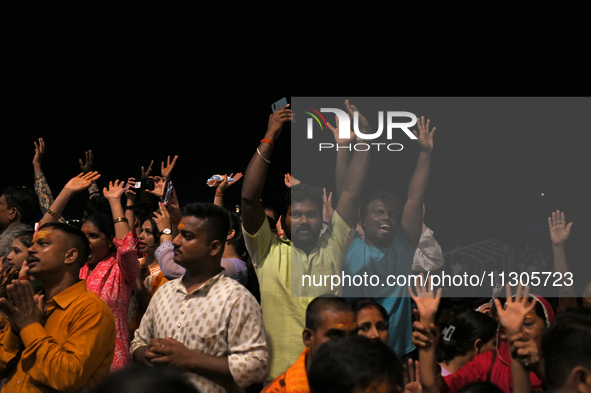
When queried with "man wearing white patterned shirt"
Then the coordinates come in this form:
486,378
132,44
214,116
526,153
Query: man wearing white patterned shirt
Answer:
204,323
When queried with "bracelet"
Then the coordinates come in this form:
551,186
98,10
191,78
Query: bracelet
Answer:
279,234
24,278
53,214
120,219
270,142
218,193
263,158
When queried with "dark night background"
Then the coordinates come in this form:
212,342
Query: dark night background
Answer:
135,82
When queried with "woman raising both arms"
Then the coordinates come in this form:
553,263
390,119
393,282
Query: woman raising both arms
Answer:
112,266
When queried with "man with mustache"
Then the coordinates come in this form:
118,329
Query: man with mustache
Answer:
281,263
204,323
64,339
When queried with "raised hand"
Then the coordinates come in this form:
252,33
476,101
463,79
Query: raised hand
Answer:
165,170
162,218
81,182
115,190
225,183
88,164
290,181
277,120
427,301
336,132
424,337
513,316
130,186
327,210
280,232
559,229
159,185
412,378
39,153
146,173
363,123
424,136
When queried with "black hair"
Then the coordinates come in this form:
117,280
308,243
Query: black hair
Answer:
25,237
385,195
142,211
216,218
566,345
103,222
462,333
346,363
136,378
155,231
481,387
238,240
24,199
362,302
97,204
79,240
324,303
304,192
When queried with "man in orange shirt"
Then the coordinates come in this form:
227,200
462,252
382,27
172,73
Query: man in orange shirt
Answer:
326,318
64,339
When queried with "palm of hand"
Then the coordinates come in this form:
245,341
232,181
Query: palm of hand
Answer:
513,316
427,305
78,184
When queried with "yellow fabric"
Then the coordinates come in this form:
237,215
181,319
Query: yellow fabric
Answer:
294,380
274,258
72,349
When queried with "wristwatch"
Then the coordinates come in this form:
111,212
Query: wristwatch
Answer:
165,231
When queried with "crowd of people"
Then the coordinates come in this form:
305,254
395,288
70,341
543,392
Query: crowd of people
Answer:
141,296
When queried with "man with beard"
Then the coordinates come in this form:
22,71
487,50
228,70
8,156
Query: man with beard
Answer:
204,323
389,245
281,263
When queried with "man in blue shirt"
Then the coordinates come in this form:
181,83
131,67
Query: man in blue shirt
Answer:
388,247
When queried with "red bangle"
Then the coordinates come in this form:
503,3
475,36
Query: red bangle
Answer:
24,278
217,193
270,142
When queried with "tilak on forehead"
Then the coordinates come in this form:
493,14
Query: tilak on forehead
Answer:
41,235
180,226
342,325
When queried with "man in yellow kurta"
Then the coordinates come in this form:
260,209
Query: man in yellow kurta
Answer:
64,339
282,264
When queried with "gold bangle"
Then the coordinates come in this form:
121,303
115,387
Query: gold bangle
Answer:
120,219
53,214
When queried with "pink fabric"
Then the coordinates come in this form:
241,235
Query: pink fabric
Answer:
112,280
498,363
